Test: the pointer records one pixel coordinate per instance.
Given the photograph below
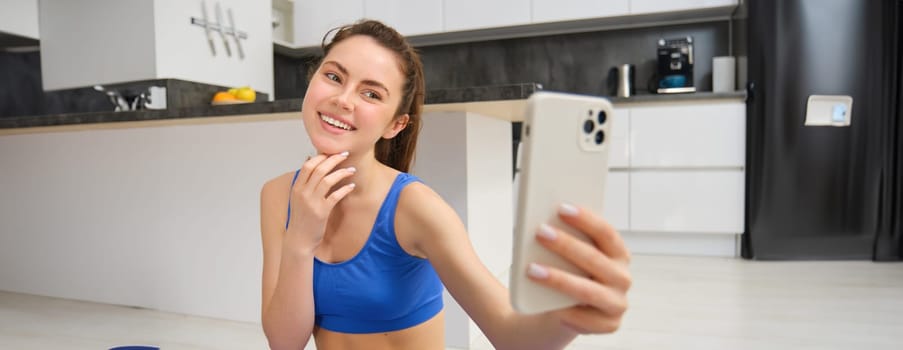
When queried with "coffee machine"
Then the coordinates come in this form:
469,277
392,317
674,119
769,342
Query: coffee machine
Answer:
675,65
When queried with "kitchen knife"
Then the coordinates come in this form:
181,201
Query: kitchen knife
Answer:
207,28
219,28
234,32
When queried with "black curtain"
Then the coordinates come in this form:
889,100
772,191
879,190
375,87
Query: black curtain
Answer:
889,240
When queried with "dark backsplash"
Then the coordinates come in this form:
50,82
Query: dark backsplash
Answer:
21,91
290,76
577,63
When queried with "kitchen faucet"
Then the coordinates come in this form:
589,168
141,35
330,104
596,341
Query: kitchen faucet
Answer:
134,102
115,97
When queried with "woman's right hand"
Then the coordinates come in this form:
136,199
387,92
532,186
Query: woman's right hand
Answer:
312,198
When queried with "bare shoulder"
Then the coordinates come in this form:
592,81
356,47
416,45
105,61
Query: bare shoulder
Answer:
278,185
423,216
274,198
420,202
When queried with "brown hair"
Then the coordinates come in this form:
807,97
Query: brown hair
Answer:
397,152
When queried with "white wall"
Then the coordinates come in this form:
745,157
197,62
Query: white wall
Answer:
96,42
19,17
90,42
159,217
183,51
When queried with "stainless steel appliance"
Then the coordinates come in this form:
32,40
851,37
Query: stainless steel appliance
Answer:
622,80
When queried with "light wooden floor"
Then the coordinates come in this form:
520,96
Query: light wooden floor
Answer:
676,303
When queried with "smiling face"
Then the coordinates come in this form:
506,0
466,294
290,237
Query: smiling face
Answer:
353,97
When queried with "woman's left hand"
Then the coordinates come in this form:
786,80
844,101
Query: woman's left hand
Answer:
603,294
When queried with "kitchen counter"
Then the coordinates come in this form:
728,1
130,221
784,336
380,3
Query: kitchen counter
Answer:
500,101
514,109
654,98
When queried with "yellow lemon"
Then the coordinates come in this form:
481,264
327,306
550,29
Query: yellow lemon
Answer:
246,94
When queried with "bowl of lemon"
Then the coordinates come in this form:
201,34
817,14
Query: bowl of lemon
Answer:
233,96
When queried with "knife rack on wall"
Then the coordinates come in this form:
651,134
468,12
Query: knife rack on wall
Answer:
221,28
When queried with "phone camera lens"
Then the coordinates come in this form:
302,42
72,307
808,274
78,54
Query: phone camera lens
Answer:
600,137
602,117
588,126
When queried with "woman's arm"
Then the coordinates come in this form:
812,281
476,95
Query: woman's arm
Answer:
287,308
440,235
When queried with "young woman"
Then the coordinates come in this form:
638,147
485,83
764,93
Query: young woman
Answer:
354,248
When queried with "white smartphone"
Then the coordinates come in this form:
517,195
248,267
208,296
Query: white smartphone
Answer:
565,141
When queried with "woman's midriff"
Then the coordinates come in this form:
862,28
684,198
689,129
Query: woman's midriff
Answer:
427,335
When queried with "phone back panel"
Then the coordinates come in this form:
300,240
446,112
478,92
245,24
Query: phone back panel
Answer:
564,161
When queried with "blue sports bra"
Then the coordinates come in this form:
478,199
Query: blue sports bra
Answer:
382,288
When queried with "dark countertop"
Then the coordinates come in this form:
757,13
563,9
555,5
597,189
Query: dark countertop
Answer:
439,96
707,95
280,106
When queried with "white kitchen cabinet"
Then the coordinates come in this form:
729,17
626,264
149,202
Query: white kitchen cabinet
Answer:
617,188
312,19
566,10
619,156
19,17
709,134
650,6
480,14
81,39
408,17
284,22
685,176
699,201
616,208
